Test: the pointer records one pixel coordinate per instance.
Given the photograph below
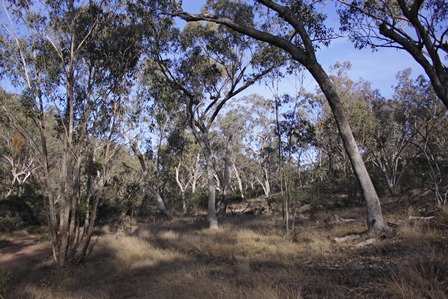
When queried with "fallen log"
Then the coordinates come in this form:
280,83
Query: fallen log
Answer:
421,218
365,243
347,238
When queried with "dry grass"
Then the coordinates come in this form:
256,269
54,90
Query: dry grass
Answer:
249,257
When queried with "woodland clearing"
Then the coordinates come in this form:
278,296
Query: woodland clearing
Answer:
248,257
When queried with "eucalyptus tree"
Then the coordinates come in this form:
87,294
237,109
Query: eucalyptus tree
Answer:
262,142
417,27
426,126
188,172
153,126
209,66
297,28
390,149
71,62
296,127
358,99
16,158
229,137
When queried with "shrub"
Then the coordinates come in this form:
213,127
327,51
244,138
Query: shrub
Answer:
29,208
199,201
9,224
5,278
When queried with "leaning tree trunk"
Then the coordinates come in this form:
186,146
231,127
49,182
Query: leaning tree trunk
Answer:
375,220
305,54
240,182
162,208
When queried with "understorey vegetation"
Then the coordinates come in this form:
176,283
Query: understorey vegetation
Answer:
170,130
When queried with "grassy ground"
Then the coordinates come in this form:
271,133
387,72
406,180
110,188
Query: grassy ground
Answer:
249,257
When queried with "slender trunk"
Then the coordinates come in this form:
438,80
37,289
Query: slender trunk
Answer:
391,184
154,191
240,182
212,217
159,199
196,174
265,184
182,189
222,205
202,139
184,203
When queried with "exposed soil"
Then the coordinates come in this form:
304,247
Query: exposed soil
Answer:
19,253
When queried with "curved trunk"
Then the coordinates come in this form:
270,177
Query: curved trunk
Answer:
154,191
162,208
306,55
375,220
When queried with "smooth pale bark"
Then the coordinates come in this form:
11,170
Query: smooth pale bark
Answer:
154,191
265,185
238,178
305,54
195,174
183,188
224,178
375,220
204,143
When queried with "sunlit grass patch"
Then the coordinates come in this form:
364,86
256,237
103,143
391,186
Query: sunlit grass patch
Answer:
132,251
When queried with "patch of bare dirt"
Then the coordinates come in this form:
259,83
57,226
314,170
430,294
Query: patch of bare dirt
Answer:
20,253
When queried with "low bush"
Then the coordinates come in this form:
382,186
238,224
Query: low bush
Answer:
9,224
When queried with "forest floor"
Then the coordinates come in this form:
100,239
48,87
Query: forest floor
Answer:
248,257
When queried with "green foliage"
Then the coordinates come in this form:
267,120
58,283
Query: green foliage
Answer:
9,224
234,198
199,201
5,279
109,212
302,195
17,212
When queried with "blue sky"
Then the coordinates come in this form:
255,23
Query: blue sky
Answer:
379,68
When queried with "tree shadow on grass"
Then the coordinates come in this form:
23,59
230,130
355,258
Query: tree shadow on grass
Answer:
246,258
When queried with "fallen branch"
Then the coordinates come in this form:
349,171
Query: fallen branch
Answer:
365,243
347,220
421,218
347,238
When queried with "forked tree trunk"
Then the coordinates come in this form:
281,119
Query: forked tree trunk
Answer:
183,189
